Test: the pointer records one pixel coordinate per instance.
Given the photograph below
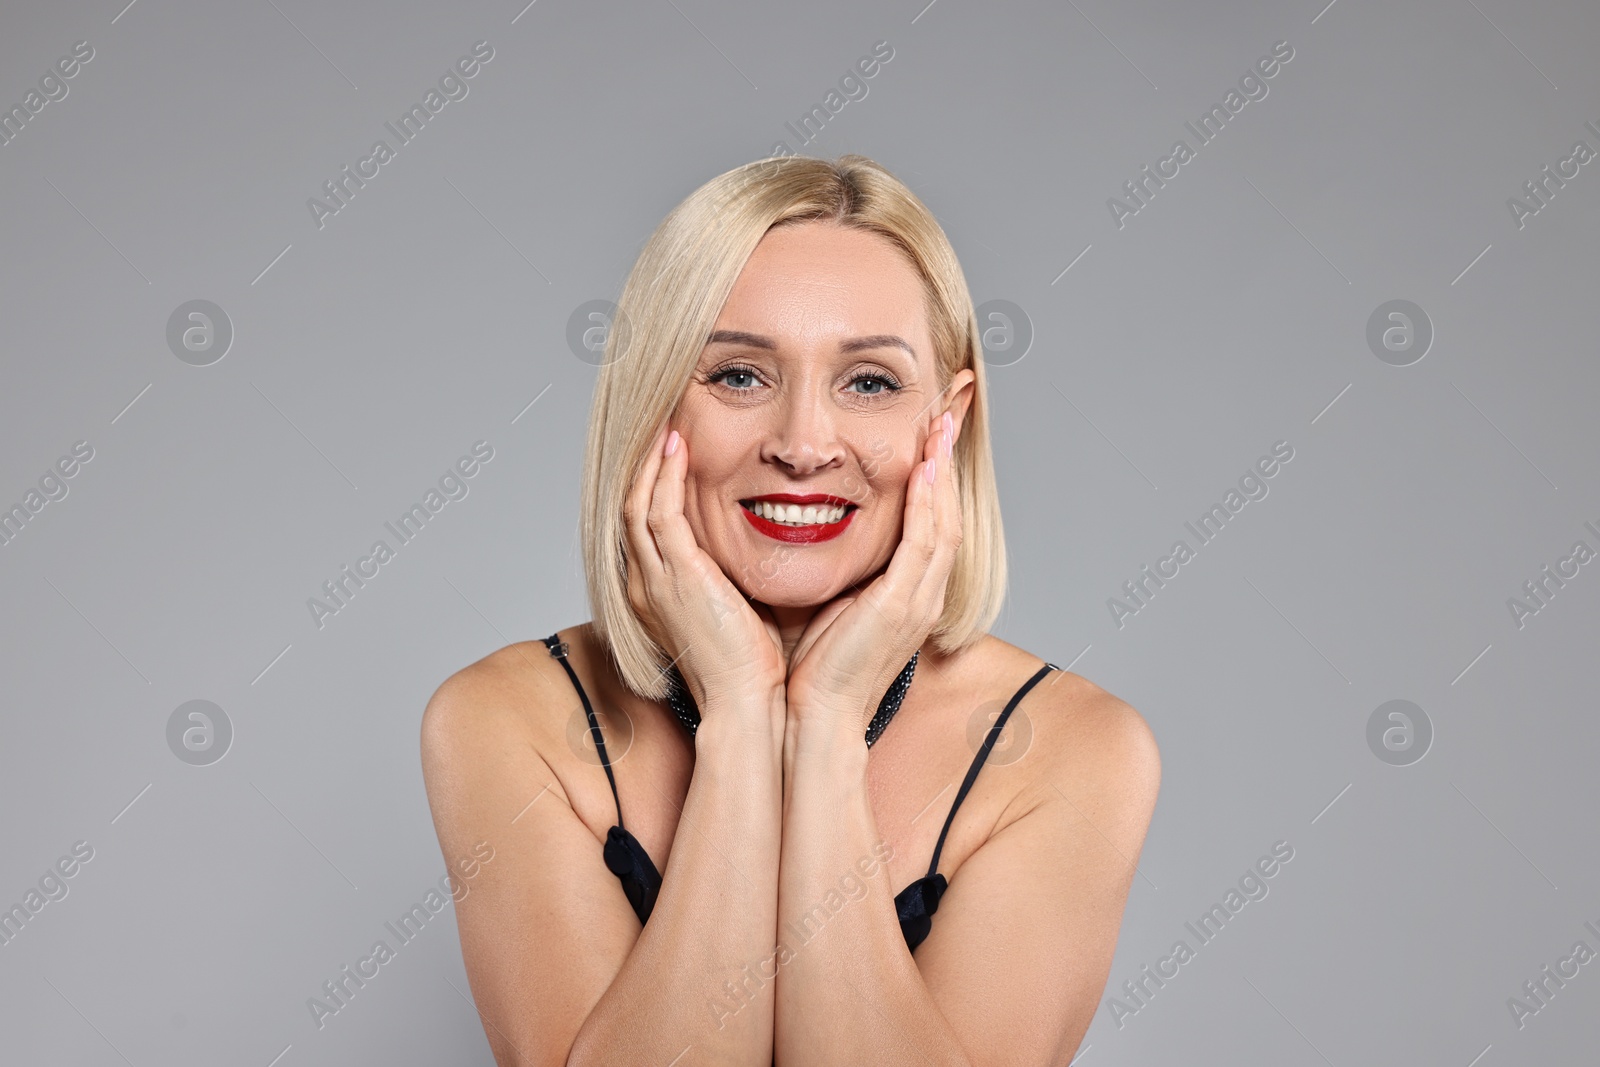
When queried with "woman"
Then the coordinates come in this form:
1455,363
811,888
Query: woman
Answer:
792,538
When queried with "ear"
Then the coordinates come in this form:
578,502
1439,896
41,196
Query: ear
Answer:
958,398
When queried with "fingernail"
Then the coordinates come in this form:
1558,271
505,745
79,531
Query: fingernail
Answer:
931,464
672,442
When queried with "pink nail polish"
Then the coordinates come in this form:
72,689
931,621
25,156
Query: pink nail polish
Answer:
672,442
931,464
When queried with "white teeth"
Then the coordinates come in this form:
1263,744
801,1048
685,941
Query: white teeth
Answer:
795,515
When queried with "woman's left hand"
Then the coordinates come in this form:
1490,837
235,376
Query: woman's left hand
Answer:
854,647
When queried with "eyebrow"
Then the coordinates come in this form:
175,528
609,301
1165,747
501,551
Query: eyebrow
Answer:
854,344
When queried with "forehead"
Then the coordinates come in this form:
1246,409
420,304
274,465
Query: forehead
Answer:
812,284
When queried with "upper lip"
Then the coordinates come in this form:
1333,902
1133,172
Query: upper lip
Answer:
801,499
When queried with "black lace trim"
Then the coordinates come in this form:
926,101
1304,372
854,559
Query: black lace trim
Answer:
683,706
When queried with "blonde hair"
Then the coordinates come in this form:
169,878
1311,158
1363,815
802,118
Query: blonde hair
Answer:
668,308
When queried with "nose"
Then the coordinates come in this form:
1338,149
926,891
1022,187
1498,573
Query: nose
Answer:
804,436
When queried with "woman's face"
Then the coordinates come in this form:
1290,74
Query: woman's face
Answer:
807,388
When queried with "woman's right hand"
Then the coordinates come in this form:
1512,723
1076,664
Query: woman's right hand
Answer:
720,643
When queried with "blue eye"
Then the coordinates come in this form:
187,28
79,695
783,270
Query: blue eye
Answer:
889,386
733,371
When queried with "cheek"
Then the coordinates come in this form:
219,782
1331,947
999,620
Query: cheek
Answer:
695,505
887,487
706,487
888,467
882,456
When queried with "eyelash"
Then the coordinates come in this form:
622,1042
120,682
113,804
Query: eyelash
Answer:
890,385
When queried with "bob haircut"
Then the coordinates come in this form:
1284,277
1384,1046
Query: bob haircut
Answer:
668,308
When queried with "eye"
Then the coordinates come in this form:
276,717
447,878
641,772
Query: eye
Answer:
735,375
736,370
888,383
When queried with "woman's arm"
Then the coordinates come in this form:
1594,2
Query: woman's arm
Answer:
1022,942
560,969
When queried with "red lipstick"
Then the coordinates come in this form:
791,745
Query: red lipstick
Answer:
800,535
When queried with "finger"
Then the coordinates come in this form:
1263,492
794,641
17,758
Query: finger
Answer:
684,562
947,524
947,504
673,537
930,542
636,510
895,591
923,530
926,535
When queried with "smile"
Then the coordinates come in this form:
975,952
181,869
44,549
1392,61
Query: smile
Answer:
799,520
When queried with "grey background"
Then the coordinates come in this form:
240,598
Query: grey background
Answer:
369,354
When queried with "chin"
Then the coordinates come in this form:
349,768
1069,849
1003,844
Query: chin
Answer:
797,598
784,592
789,581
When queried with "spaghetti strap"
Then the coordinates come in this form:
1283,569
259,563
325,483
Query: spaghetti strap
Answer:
558,650
916,903
625,856
983,755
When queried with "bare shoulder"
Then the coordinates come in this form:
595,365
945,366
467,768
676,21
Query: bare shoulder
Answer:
1092,741
493,700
